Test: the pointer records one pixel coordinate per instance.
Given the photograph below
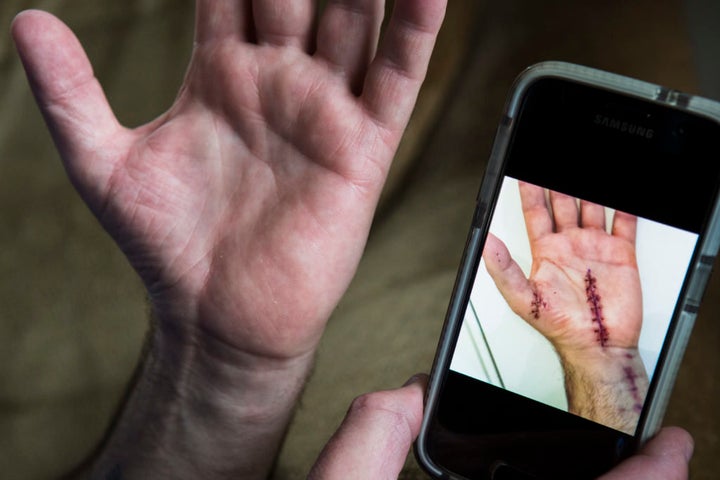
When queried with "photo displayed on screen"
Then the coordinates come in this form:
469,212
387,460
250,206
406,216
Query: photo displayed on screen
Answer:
571,303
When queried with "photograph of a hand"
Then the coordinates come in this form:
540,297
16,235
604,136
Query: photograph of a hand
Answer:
583,291
583,294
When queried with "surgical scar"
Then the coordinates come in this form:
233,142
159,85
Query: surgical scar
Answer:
593,300
631,379
536,303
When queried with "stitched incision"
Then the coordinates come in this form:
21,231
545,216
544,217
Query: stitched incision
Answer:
593,300
536,303
631,379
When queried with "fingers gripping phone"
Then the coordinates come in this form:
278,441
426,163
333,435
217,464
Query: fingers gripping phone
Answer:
593,238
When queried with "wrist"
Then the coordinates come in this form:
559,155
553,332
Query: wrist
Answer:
606,385
594,361
201,405
241,383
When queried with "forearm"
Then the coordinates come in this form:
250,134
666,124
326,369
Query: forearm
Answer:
201,409
608,386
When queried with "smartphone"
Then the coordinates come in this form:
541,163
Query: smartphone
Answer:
595,231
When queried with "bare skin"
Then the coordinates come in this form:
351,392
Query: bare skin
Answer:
583,294
244,208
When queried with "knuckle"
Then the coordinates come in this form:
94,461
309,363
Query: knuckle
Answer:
379,405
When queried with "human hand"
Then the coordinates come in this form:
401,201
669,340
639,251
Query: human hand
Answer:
665,456
246,206
583,294
583,290
376,435
374,440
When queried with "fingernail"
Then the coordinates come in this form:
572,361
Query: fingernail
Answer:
689,449
418,378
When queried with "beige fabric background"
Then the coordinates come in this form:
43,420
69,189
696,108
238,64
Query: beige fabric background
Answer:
73,315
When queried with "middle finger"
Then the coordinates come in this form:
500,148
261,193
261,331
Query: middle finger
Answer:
348,37
284,22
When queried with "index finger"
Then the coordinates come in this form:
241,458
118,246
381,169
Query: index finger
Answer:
537,216
394,77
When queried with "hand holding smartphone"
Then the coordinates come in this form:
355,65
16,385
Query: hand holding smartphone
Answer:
595,230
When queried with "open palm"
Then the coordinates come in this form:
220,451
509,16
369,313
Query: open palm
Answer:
245,207
583,290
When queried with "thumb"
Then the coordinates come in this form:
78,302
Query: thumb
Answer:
68,94
664,456
374,439
507,275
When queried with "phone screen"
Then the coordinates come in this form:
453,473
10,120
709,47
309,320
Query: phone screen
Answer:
601,204
498,346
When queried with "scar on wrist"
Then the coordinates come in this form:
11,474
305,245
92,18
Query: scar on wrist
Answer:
631,378
593,300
